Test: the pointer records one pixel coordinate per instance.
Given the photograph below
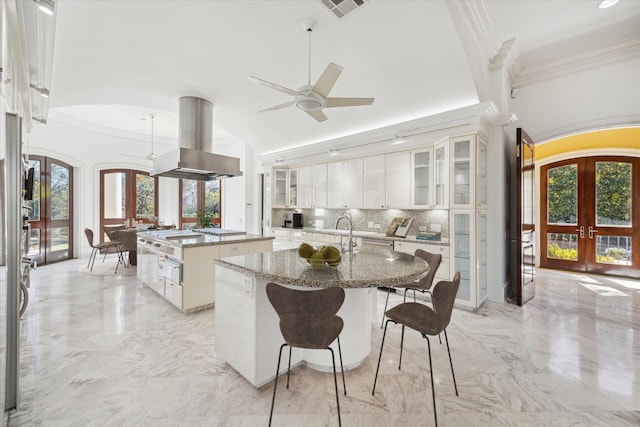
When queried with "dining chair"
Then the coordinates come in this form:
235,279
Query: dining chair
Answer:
427,321
308,320
107,246
424,284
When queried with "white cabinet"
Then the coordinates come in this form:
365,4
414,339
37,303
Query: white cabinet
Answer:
280,184
462,172
353,182
469,255
398,180
345,187
305,187
481,174
422,177
336,185
374,182
320,185
285,188
441,175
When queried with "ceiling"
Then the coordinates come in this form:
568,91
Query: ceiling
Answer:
117,61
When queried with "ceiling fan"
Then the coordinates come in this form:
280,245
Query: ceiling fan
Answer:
151,155
312,99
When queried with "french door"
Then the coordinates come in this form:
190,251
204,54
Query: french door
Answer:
126,197
51,213
590,215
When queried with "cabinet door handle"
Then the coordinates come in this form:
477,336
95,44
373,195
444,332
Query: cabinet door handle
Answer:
581,230
591,231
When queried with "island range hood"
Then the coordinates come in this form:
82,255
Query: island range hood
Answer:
194,159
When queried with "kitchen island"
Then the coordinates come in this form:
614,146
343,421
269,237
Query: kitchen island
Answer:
177,264
247,327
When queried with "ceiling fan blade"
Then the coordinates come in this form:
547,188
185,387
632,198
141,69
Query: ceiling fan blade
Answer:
318,115
278,107
328,78
274,86
348,102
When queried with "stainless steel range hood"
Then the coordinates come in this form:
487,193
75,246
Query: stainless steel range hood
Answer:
194,159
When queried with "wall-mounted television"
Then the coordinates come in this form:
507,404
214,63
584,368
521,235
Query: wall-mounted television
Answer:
28,184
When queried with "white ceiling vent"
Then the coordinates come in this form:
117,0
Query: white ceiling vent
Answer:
342,7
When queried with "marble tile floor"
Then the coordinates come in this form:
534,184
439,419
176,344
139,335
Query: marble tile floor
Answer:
106,351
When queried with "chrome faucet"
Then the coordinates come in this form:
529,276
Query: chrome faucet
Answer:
346,215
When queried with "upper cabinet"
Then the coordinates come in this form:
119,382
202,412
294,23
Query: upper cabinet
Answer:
422,195
481,174
345,184
305,187
320,185
468,172
441,174
374,182
398,180
285,188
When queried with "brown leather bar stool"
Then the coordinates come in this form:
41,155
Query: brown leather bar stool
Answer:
100,246
427,321
308,320
423,285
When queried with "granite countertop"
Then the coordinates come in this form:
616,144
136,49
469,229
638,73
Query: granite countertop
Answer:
188,239
366,235
369,267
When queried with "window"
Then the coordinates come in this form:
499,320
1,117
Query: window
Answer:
199,197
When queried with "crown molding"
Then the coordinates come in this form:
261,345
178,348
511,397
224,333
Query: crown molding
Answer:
601,54
474,14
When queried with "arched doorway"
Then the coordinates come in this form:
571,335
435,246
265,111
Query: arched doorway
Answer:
595,175
589,217
51,214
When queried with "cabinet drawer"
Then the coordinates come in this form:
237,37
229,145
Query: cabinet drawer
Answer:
406,247
173,293
233,250
435,249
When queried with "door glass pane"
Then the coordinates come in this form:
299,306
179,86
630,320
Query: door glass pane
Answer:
528,202
189,198
59,192
114,195
293,187
59,239
613,193
442,175
212,198
562,246
613,250
34,213
145,196
562,195
462,254
481,176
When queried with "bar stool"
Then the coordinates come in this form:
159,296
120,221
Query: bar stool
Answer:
427,321
308,320
423,285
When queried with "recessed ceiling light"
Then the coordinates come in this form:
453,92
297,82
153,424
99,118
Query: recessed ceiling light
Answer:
604,4
333,151
46,6
398,140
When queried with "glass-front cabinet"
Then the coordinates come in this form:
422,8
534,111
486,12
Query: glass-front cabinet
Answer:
285,188
469,255
481,174
422,178
462,177
441,174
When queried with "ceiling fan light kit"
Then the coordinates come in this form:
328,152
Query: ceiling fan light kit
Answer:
312,99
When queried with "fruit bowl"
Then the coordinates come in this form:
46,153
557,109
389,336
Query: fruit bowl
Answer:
319,257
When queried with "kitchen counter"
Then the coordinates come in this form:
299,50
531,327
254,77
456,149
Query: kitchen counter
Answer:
370,266
190,239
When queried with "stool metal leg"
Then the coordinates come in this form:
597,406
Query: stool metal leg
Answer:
450,362
433,389
401,346
384,334
344,385
335,382
275,383
385,307
289,368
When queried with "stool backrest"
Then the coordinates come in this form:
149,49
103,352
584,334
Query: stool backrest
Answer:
444,296
434,261
307,318
89,233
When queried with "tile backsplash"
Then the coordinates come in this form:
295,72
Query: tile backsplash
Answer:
367,219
